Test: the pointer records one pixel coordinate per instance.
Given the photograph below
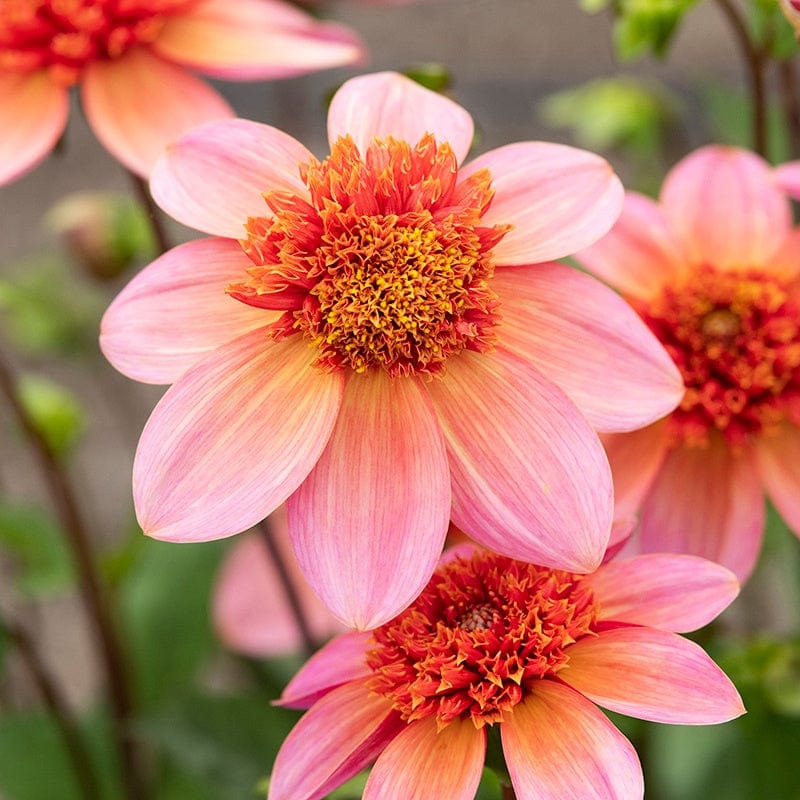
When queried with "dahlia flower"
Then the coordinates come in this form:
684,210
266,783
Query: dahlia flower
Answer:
133,61
496,645
374,338
713,270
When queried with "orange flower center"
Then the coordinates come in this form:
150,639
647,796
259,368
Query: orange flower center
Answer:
478,639
385,264
63,36
736,339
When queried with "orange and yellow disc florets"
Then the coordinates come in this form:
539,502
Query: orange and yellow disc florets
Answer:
386,265
735,336
478,639
63,36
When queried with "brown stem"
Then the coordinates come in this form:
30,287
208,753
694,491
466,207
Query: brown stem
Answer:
755,60
508,792
58,708
153,212
310,644
91,588
791,104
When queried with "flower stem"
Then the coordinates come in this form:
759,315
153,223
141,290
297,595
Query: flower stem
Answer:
310,644
754,59
791,104
508,792
59,710
153,212
91,588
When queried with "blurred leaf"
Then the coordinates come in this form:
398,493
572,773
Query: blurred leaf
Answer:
56,412
771,30
593,6
490,788
44,564
431,75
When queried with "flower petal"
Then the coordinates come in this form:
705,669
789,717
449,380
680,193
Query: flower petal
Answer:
725,207
672,592
590,343
387,103
652,674
214,178
559,199
787,177
138,104
558,745
175,311
232,439
339,736
421,763
639,255
33,113
530,479
779,467
378,497
342,660
708,503
254,39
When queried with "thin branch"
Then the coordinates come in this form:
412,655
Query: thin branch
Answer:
153,212
791,103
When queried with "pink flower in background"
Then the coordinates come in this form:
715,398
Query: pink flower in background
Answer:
491,641
374,338
714,271
133,58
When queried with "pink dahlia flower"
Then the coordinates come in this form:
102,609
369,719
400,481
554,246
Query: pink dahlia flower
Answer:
713,270
375,338
491,641
134,61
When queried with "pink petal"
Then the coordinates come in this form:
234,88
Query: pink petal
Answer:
140,103
341,660
639,254
214,178
673,592
590,343
249,607
386,103
333,741
635,459
559,199
232,439
708,503
421,763
175,311
378,498
652,674
33,113
530,479
558,745
621,532
725,207
779,467
787,177
254,39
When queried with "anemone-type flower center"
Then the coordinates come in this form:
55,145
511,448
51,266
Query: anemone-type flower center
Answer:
478,639
385,264
63,36
735,336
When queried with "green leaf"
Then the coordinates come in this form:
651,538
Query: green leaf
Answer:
771,30
431,75
647,26
56,412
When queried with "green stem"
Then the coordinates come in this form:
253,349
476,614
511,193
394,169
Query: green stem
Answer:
153,212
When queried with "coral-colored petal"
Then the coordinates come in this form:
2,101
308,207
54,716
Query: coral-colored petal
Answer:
673,592
213,178
254,39
779,467
559,199
33,113
723,204
638,255
635,459
590,343
558,745
335,739
378,498
140,103
708,503
340,661
232,439
530,479
175,311
388,104
785,261
652,674
421,763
